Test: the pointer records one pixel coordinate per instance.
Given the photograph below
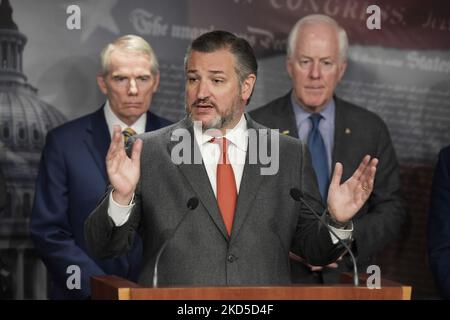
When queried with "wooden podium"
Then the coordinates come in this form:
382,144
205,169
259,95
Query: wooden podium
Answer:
115,288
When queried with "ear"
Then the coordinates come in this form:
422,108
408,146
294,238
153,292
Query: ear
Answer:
342,67
247,87
289,66
102,84
156,84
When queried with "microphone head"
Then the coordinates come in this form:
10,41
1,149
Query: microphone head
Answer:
296,194
192,203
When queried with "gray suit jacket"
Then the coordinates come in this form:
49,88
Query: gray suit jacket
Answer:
268,223
357,132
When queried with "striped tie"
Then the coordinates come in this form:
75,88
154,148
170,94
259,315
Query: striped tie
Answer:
127,134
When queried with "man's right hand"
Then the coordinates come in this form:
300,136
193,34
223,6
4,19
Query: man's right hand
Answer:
123,172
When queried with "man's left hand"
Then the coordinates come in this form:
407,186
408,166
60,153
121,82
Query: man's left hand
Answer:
345,200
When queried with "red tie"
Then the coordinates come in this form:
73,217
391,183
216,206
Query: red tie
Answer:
226,186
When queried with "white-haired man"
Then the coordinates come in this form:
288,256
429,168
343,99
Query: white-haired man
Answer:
72,174
335,131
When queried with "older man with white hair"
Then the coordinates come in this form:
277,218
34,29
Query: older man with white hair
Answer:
335,131
72,174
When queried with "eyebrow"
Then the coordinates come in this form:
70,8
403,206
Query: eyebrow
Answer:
209,71
308,57
123,74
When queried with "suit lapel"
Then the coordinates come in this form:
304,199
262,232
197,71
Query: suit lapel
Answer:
151,123
98,137
197,177
98,140
251,180
286,117
250,183
342,134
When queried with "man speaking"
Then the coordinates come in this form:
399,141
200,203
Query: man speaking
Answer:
245,223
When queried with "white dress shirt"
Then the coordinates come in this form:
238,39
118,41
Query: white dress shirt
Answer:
237,151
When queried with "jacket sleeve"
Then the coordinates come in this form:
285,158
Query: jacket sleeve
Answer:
386,211
50,227
103,238
312,239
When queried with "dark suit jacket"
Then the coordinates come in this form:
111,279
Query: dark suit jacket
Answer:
439,224
357,132
3,199
267,224
72,177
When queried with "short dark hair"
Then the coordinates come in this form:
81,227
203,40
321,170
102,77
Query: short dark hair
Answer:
246,63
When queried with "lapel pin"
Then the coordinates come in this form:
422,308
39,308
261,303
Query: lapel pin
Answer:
348,131
285,132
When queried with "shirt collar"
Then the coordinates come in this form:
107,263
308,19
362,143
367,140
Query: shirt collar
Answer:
301,114
237,135
112,119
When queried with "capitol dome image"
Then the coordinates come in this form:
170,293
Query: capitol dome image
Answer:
25,120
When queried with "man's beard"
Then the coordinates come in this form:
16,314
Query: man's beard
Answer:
220,120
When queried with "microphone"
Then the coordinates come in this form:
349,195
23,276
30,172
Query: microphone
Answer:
296,194
192,204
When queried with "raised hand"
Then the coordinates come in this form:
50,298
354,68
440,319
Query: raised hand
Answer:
123,172
345,200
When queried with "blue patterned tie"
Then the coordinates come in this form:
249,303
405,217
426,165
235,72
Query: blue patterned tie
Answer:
319,155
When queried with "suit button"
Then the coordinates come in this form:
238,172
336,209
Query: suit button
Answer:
231,258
